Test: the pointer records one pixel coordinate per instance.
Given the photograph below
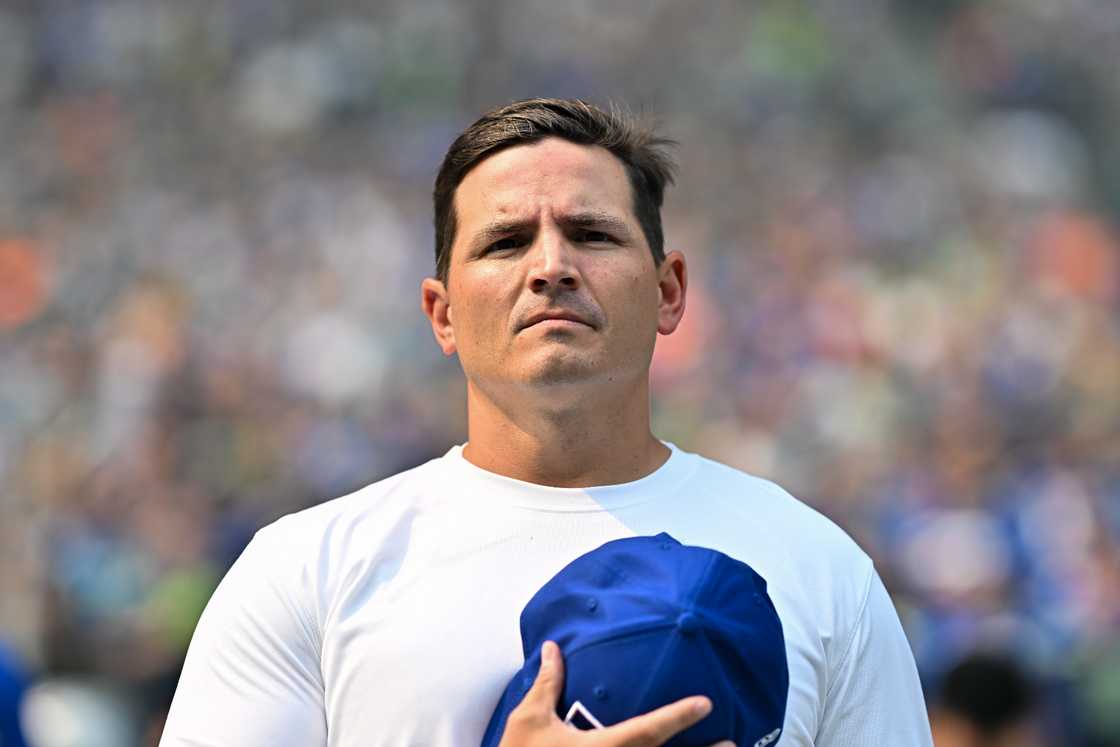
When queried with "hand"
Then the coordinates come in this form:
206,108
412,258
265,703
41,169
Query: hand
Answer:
534,722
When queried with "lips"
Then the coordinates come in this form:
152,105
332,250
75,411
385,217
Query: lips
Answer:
557,314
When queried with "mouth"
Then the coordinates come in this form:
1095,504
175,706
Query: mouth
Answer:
557,319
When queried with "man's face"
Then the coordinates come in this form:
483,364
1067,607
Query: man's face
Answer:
551,281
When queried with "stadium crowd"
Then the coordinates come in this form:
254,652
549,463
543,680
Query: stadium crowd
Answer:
901,222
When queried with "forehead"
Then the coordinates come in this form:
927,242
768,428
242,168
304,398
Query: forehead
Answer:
551,174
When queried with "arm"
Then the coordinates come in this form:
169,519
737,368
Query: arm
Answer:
252,675
874,696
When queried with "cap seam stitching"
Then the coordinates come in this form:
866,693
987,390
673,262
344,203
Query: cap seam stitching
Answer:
635,629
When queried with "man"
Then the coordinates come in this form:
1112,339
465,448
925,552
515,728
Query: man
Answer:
987,700
390,616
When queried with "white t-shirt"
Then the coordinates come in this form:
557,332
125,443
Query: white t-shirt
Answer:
391,616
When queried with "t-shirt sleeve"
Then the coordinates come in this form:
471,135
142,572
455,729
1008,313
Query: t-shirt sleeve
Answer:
874,696
252,676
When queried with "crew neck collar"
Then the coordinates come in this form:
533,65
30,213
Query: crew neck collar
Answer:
524,494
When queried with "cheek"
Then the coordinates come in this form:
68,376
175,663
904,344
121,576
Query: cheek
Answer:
477,313
472,321
635,308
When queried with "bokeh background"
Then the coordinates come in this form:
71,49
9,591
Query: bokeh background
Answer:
901,222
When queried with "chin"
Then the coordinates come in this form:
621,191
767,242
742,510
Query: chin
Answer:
560,376
558,370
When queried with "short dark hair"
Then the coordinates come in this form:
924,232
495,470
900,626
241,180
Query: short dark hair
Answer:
642,152
990,690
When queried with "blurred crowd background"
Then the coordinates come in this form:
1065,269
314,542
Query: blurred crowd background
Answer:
901,223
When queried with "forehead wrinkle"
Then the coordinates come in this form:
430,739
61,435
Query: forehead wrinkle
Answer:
514,196
578,219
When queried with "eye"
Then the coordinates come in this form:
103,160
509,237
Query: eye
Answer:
509,243
595,237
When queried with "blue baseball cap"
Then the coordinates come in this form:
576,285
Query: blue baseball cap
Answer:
645,621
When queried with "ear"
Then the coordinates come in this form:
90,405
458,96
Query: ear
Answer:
672,285
437,307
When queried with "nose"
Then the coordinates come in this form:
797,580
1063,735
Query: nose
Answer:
553,265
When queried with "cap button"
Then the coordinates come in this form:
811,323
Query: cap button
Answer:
687,623
600,692
592,604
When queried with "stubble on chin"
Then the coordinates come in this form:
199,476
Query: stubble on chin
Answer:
555,368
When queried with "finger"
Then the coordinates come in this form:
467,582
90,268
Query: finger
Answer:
549,683
657,727
724,743
537,710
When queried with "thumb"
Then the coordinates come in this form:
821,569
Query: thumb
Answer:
549,683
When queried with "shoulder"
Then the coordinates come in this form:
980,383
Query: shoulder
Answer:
815,572
303,554
773,512
336,519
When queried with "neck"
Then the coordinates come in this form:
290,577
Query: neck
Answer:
588,442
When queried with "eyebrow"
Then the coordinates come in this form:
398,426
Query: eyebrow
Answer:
585,219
